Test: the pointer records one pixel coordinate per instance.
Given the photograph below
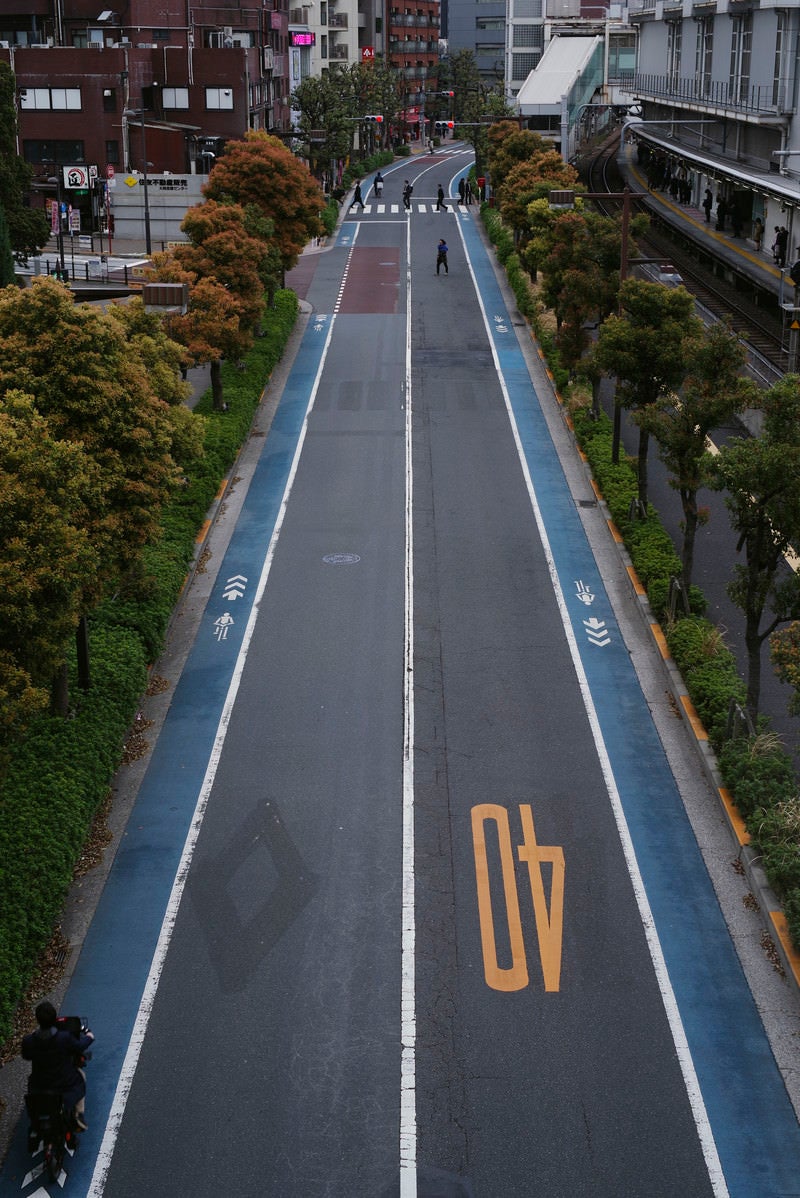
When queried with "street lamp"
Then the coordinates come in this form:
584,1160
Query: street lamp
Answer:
129,112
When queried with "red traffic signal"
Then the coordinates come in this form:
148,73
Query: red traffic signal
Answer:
450,124
376,118
451,94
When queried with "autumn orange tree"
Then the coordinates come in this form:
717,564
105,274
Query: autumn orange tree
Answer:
226,269
260,170
531,180
509,146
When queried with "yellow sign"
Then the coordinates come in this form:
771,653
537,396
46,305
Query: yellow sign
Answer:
132,181
549,924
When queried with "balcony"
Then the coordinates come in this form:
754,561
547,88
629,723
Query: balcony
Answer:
763,99
337,20
339,52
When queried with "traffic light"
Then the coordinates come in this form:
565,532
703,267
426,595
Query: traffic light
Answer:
375,119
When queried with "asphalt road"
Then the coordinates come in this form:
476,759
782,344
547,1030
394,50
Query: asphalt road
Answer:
409,902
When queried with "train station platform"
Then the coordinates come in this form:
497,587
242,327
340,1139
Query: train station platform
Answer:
739,254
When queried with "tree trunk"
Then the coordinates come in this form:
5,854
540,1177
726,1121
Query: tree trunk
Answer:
82,649
752,641
216,384
690,522
644,445
59,695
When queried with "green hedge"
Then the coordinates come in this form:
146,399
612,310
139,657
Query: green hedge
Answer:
758,773
60,774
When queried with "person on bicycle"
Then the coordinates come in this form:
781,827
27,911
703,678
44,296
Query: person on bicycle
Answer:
54,1054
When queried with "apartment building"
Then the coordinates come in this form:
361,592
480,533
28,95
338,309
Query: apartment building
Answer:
196,75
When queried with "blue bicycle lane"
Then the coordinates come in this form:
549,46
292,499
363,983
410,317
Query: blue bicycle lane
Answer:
754,1126
115,959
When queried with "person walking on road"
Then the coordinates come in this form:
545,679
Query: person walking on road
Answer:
440,204
378,185
408,191
357,197
462,190
441,256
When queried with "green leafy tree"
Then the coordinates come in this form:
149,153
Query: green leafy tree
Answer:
28,228
477,104
324,124
260,170
47,490
642,347
714,391
759,477
93,389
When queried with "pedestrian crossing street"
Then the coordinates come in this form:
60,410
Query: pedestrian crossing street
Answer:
383,208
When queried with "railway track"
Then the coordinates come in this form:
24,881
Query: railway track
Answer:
759,329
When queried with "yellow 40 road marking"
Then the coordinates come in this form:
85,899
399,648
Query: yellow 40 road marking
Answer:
549,924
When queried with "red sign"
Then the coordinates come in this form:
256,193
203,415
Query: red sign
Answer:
367,53
110,172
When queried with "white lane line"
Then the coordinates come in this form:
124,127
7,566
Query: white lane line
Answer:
106,1152
408,1014
702,1123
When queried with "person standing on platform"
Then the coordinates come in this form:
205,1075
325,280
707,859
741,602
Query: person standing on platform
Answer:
708,204
781,245
722,212
758,233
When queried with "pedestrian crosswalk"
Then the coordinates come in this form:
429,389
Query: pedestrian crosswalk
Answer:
382,208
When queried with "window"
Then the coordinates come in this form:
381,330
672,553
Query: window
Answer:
777,77
674,39
109,99
219,97
741,46
527,8
529,35
112,153
323,46
161,35
490,22
51,152
176,97
60,98
704,52
523,64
